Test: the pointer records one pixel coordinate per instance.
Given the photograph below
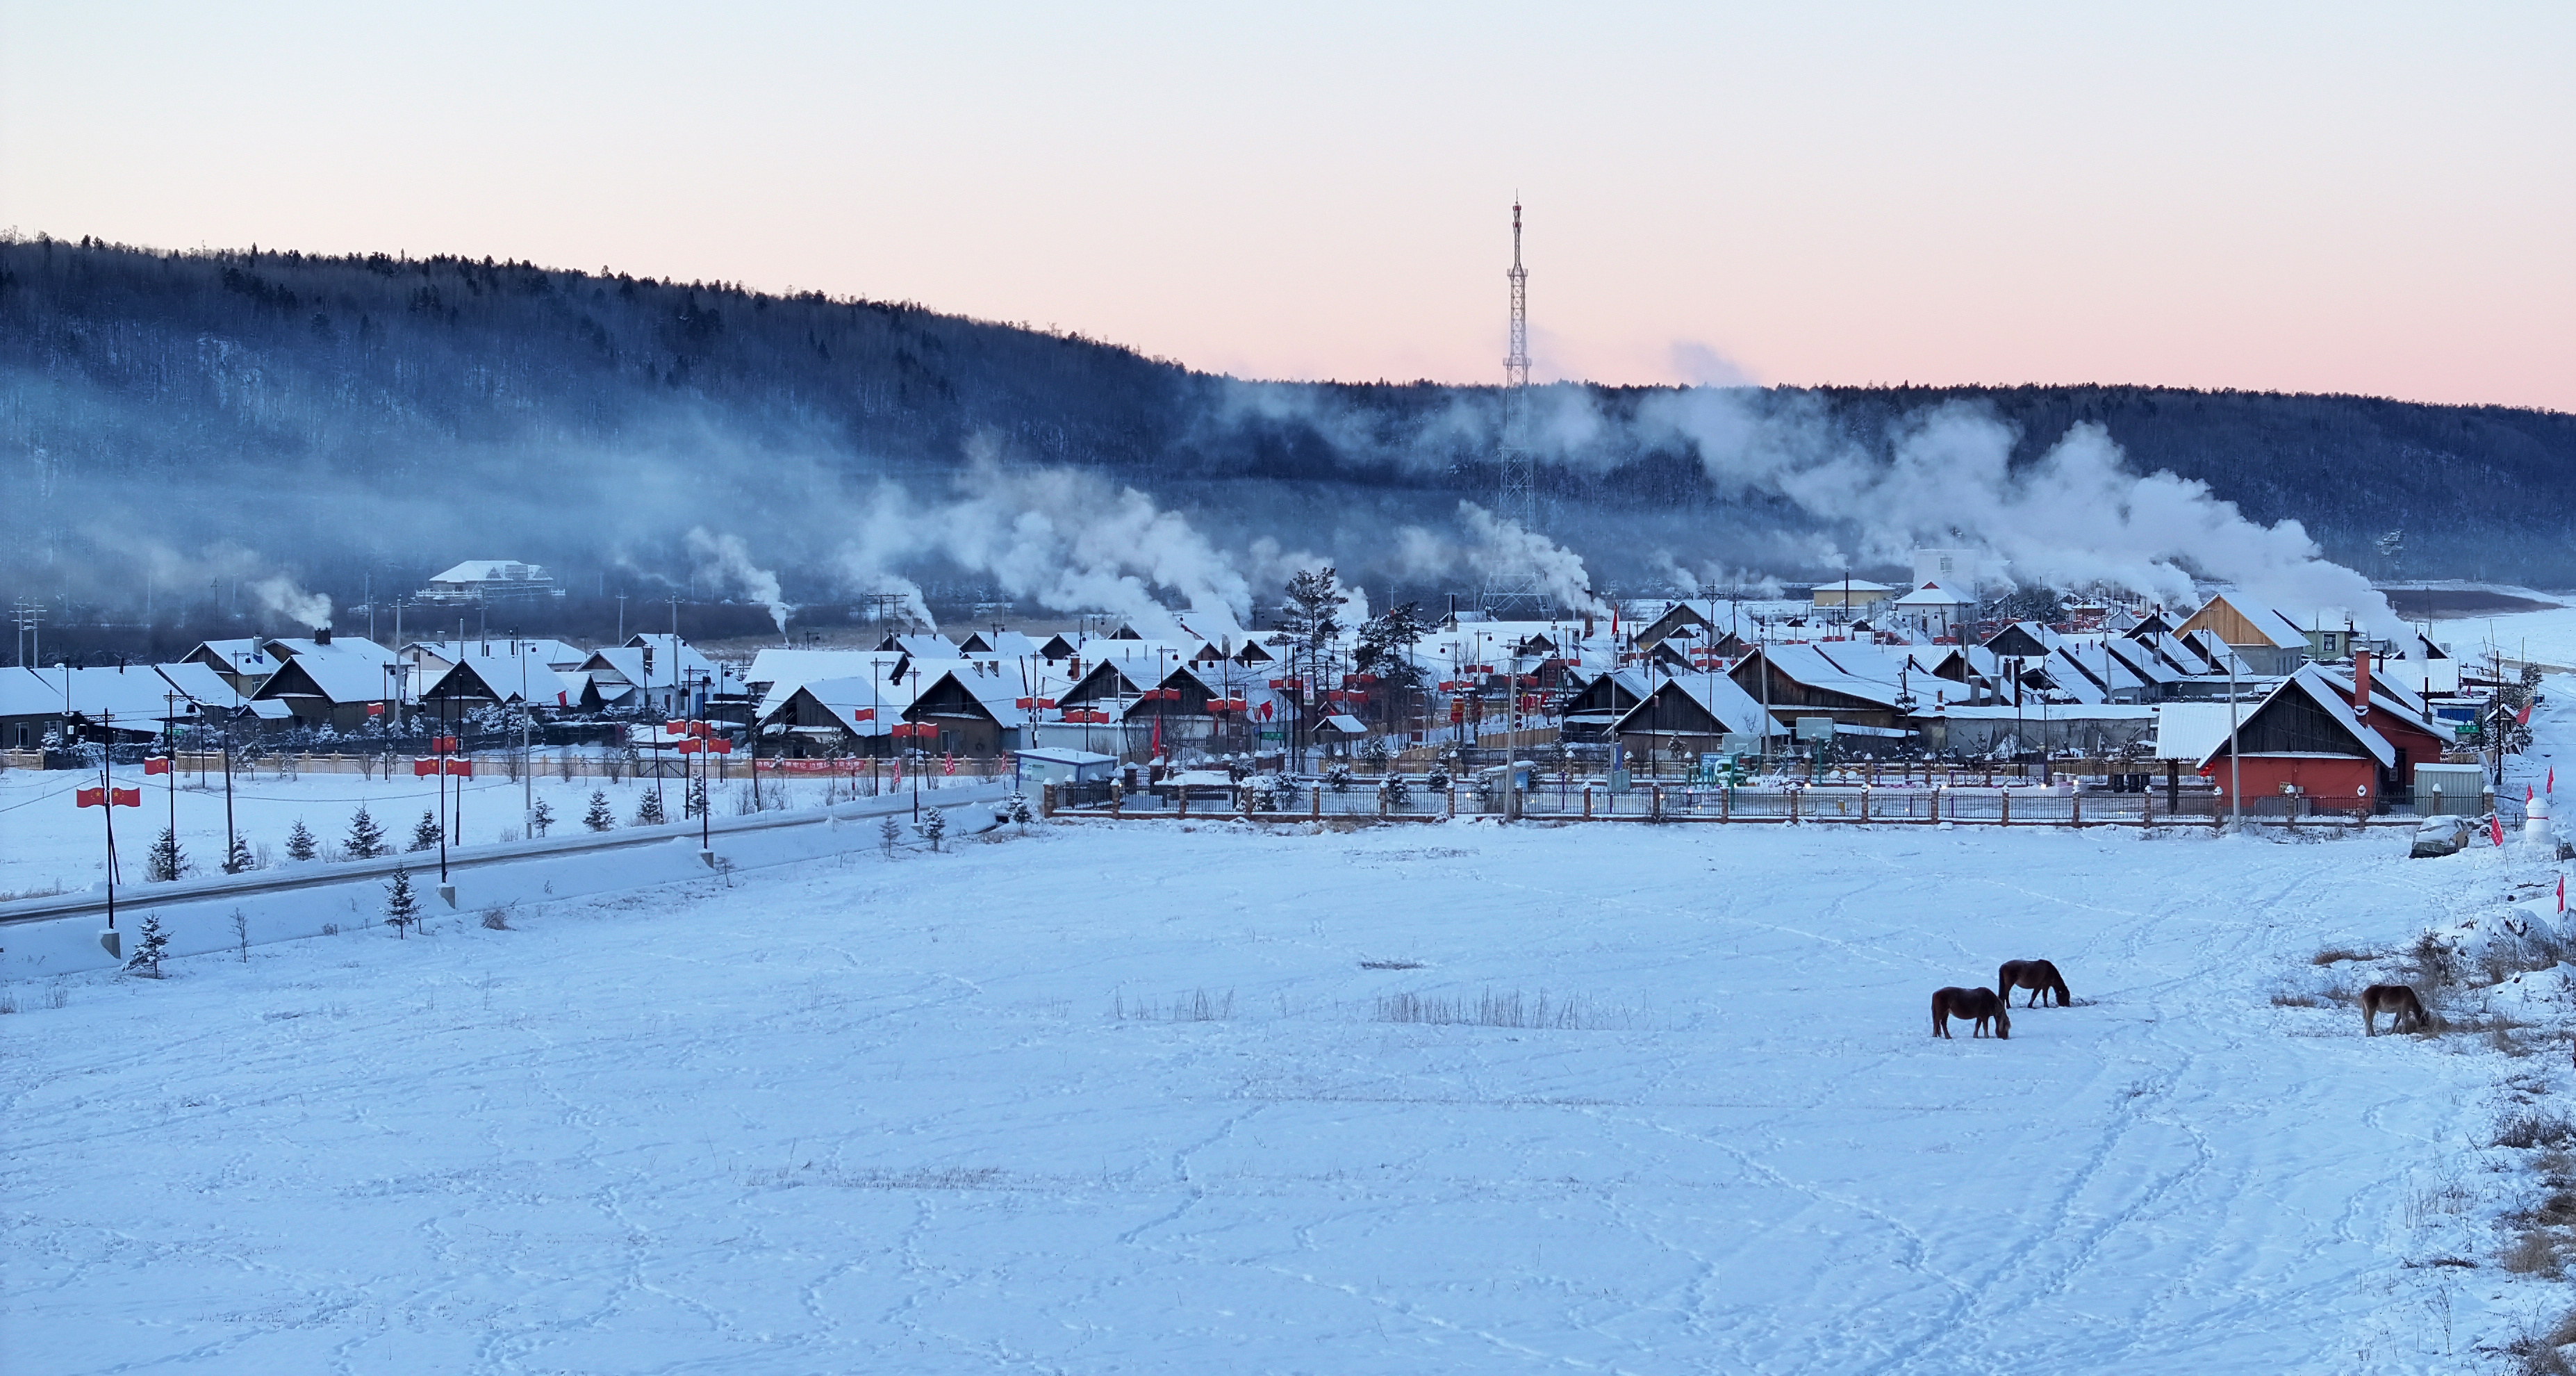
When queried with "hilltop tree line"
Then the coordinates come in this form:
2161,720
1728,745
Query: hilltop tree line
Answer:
328,395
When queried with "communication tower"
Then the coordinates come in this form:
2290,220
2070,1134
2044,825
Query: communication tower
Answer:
1513,594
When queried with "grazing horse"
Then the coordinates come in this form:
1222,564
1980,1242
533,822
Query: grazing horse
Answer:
2405,1011
1980,1005
2037,976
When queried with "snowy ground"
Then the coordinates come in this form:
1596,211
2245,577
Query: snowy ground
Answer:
47,845
1128,1097
1121,1099
2544,637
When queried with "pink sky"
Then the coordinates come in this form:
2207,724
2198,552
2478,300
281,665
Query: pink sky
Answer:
2326,198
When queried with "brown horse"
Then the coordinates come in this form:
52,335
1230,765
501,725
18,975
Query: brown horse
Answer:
1980,1005
2405,1011
2037,976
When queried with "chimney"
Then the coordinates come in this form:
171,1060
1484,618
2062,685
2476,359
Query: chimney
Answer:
321,635
2361,681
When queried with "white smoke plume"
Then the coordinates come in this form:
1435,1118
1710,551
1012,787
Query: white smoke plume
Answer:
1497,547
1065,539
281,594
2076,517
725,562
179,575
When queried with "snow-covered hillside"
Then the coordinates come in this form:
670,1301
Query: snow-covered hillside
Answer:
1103,1098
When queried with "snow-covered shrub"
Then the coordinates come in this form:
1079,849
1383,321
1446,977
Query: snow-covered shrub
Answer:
648,811
1338,778
934,825
366,839
599,818
149,946
402,906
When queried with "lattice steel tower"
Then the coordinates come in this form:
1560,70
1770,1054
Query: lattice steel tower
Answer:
1516,593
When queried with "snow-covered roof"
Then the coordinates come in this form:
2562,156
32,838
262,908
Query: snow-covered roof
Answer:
337,678
503,676
200,683
137,694
1345,723
491,571
1719,696
1932,596
2321,690
355,649
1053,754
846,699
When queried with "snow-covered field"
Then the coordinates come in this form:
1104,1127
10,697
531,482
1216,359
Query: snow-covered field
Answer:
1126,1099
47,845
1156,1097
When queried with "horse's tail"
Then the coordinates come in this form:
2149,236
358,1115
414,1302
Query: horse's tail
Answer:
1937,1029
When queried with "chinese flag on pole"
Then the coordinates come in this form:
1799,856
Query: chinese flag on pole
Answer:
463,769
126,797
422,767
90,797
2562,893
2495,828
156,766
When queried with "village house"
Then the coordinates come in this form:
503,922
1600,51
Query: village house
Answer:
1694,714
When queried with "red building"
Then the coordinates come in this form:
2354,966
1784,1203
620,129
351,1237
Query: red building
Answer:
2336,739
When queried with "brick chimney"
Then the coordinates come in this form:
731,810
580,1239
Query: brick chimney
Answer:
2361,682
321,635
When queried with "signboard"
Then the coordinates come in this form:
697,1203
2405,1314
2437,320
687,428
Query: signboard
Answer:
1815,728
1274,735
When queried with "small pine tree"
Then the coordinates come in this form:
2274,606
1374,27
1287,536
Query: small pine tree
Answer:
300,844
1438,782
889,831
599,818
149,945
934,826
402,906
648,813
366,839
167,861
237,856
428,833
1398,791
1339,778
1020,814
540,818
696,801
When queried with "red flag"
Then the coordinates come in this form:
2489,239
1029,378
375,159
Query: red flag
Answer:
675,728
2523,717
688,747
444,745
949,765
560,698
375,709
1158,738
2495,827
156,766
2562,893
423,767
721,745
90,797
126,797
463,769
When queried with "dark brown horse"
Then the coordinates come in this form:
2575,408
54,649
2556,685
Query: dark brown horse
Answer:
1980,1005
2405,1011
2037,976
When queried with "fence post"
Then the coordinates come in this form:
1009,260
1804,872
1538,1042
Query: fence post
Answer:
1864,795
1183,795
2146,809
1793,805
1587,802
1316,807
1726,804
2076,799
1936,798
2005,794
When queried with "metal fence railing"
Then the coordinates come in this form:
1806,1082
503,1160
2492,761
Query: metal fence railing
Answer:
1963,806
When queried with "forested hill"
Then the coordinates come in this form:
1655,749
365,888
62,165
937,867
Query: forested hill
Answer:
396,414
